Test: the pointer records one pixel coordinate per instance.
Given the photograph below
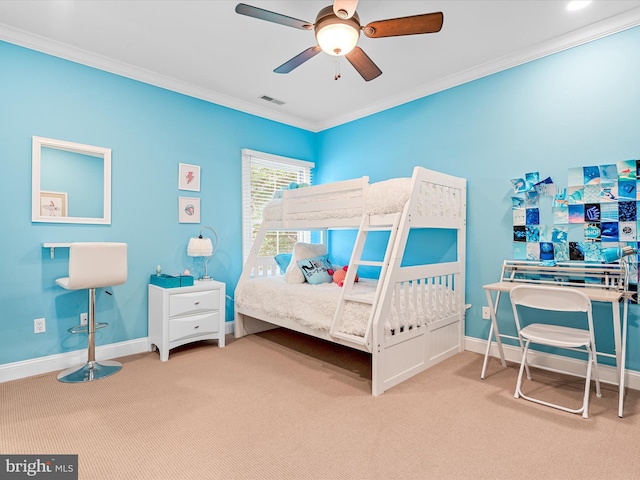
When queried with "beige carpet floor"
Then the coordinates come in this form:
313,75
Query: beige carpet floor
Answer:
283,406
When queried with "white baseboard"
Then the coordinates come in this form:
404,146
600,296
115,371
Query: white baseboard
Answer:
61,361
52,363
229,328
547,361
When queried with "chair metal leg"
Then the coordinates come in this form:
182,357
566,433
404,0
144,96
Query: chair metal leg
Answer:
596,375
523,364
587,385
585,401
91,370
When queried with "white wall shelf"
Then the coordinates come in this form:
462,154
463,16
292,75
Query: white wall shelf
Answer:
54,245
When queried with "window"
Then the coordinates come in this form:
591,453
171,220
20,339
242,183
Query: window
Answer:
262,175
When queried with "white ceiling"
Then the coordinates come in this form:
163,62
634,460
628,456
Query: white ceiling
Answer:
204,49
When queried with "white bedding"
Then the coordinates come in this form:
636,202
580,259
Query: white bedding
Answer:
309,305
388,196
314,305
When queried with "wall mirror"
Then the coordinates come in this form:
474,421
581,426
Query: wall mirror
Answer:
71,182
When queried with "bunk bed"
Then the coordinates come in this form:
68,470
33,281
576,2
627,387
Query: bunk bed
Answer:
411,317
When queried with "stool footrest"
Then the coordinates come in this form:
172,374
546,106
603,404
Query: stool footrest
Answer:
85,328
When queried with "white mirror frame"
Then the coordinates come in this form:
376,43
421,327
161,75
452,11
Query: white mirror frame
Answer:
104,153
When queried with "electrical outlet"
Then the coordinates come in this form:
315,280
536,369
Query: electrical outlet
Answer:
39,325
486,313
83,319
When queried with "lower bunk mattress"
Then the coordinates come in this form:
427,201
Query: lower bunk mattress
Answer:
314,306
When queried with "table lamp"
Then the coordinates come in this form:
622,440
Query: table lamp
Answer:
610,255
203,247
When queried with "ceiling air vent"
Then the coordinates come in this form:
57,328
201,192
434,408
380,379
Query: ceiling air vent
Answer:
267,98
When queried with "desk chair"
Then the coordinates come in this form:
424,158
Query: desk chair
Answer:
93,265
560,299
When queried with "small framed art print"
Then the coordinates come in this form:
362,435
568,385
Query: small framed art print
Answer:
53,204
188,177
188,210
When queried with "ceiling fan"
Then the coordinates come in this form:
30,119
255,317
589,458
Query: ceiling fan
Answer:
337,29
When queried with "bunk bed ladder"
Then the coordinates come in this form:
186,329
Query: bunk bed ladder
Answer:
348,286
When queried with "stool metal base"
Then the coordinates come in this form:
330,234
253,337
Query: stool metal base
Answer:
89,371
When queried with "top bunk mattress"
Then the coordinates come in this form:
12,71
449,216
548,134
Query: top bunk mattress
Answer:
388,196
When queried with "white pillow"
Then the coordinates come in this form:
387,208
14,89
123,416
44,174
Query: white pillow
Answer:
302,251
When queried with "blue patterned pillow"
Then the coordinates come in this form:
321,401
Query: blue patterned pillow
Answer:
283,260
316,269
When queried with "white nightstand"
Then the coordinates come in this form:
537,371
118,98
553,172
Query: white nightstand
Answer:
186,314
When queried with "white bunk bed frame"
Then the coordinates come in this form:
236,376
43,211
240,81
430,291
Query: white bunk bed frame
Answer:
437,201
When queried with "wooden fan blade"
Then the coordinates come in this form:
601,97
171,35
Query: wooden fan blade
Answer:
344,8
298,60
414,25
363,64
255,12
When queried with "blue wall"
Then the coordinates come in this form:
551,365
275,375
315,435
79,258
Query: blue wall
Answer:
150,131
571,109
578,107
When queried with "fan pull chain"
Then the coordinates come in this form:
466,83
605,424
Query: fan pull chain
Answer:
337,75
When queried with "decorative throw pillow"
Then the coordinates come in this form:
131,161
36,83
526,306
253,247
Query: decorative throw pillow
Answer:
302,251
316,270
283,260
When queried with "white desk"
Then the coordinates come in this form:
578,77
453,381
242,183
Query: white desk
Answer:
596,295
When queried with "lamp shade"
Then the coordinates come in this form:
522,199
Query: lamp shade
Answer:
200,247
337,38
610,255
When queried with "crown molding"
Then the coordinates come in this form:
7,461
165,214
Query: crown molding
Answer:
100,62
573,39
578,37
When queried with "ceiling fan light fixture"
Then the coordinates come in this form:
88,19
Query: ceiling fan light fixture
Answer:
337,29
577,5
337,38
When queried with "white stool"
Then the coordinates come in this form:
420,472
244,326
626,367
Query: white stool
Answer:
93,265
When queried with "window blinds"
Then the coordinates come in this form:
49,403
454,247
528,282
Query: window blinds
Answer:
262,175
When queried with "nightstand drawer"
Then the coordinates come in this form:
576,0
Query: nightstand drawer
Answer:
194,302
193,325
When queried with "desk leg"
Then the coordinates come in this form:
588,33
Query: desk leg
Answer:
486,353
621,358
493,331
